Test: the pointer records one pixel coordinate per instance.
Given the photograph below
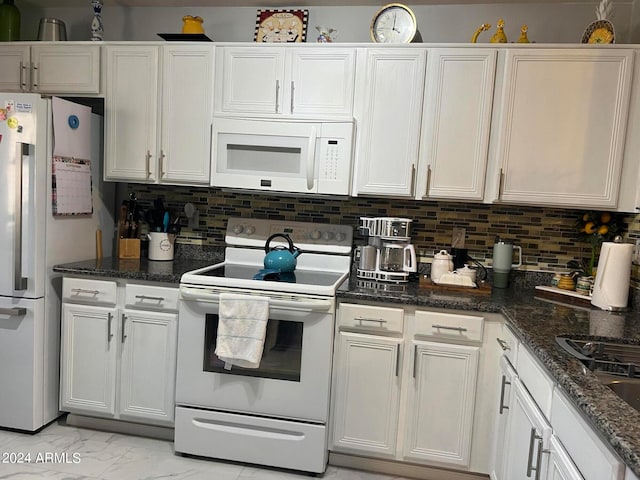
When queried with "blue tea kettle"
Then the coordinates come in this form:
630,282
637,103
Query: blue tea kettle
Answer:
280,258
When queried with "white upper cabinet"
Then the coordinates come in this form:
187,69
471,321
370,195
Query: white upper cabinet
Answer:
157,129
456,120
59,68
561,129
282,80
388,109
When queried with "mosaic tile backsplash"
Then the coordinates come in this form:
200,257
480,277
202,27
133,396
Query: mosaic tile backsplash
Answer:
548,236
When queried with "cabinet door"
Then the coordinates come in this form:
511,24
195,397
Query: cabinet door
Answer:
526,439
148,368
504,406
252,80
65,69
88,359
14,68
131,113
562,129
322,82
389,90
441,402
367,373
560,465
187,113
456,119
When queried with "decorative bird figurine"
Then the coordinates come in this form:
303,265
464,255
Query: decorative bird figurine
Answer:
523,35
482,28
499,36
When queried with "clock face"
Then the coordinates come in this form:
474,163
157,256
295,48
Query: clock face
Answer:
393,23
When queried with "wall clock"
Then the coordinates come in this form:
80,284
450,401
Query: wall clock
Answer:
393,23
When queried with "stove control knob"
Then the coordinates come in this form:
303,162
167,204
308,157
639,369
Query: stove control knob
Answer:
327,236
315,235
250,230
237,229
340,237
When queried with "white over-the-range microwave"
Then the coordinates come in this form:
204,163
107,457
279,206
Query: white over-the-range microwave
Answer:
283,155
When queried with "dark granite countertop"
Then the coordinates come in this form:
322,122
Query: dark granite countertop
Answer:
134,269
537,322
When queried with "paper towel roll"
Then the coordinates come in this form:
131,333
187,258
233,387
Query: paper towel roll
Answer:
611,287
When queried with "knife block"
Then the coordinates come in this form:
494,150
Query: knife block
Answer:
129,248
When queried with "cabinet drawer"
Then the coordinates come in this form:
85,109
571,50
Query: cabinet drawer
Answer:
592,457
89,291
449,326
536,380
149,296
509,344
367,317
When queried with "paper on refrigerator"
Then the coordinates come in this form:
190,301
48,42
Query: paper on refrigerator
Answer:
71,129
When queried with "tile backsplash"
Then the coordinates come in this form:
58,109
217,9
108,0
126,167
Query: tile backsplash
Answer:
548,236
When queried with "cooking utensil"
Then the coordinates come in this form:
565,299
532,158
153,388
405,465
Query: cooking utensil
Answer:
165,221
281,258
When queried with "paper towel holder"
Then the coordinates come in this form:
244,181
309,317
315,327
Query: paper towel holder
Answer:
611,286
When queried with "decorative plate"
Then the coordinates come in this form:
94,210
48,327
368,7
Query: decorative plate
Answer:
600,31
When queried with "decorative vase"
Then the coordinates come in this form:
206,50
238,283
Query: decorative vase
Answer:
97,29
9,22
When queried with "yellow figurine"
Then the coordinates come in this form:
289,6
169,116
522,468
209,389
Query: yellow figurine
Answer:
482,28
523,35
499,36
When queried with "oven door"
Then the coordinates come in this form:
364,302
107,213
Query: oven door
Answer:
294,374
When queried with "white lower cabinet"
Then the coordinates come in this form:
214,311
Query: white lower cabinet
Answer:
440,419
405,386
118,356
526,438
368,393
560,465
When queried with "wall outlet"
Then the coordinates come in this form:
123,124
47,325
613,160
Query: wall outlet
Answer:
458,236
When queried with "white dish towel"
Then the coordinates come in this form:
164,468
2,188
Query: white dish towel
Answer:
242,327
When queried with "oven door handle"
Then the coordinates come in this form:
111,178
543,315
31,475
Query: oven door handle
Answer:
199,294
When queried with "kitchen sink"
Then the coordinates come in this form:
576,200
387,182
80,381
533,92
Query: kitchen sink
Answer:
616,365
628,389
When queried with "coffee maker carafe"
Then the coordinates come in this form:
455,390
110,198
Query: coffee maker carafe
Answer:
389,255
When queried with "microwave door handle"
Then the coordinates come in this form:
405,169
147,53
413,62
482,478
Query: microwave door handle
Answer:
19,282
311,158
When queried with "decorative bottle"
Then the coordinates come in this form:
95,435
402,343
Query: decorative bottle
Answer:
9,22
97,29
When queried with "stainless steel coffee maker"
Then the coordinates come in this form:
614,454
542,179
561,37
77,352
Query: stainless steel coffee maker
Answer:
389,256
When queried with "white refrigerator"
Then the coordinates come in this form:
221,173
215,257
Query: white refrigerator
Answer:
32,240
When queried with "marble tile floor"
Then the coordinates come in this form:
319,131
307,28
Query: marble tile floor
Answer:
62,452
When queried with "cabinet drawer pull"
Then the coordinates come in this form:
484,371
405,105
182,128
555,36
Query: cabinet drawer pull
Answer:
148,163
277,95
415,360
83,290
123,335
162,172
413,179
503,388
445,327
533,440
366,319
35,76
147,297
23,77
17,312
500,182
503,344
426,193
292,90
397,360
109,334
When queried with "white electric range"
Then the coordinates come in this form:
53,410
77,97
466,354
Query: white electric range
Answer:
275,414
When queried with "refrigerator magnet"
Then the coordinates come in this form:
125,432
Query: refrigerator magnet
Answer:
73,121
3,114
12,122
0,138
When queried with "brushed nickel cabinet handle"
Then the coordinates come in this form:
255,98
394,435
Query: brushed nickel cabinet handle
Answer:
35,76
415,360
147,297
23,77
445,327
19,282
148,163
500,183
162,172
122,334
366,319
277,95
292,93
82,290
503,388
426,193
109,334
503,344
15,312
397,360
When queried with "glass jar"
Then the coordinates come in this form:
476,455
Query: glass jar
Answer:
9,22
584,285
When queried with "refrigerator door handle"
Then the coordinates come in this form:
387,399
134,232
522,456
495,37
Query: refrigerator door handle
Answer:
19,282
